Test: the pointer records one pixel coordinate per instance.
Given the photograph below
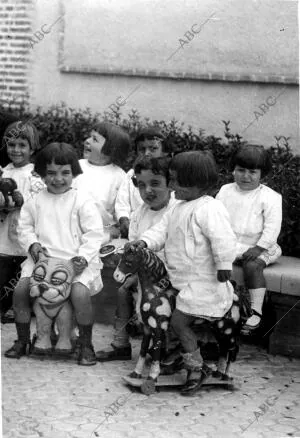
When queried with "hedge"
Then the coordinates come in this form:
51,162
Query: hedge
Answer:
60,123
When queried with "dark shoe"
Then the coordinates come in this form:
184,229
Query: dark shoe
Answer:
18,350
221,376
87,356
8,317
192,385
123,353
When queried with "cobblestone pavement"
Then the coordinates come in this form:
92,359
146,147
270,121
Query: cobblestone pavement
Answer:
51,399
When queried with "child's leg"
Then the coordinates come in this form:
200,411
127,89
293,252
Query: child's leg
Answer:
256,284
21,305
7,282
193,361
17,261
121,348
82,303
181,323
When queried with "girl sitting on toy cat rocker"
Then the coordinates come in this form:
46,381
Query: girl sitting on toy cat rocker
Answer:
64,222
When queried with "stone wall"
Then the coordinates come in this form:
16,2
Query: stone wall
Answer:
15,31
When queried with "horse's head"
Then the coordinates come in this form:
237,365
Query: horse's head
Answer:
129,264
110,254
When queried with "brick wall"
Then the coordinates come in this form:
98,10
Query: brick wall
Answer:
15,31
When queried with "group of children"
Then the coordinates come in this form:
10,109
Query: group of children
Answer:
164,203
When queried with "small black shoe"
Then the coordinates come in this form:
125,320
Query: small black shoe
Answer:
123,353
87,356
192,385
8,317
18,350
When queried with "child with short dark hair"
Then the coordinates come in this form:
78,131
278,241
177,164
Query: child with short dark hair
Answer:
64,223
199,247
149,142
151,178
255,212
102,175
21,141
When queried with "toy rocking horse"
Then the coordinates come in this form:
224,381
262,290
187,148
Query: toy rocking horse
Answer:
155,304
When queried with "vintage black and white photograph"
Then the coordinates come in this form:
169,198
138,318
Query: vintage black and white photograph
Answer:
149,219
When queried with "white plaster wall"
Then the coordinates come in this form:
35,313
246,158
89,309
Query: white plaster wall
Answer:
202,104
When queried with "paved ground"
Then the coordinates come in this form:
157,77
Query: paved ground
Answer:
63,400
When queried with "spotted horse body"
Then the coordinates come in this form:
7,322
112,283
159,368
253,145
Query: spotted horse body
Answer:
155,302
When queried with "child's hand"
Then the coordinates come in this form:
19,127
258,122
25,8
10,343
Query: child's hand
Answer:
35,250
18,199
79,264
135,244
124,226
252,253
223,276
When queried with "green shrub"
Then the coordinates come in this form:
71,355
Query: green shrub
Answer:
60,123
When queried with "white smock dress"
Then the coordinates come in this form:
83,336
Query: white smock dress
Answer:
67,225
198,241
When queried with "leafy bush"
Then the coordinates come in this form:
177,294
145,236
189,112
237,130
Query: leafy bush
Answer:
60,123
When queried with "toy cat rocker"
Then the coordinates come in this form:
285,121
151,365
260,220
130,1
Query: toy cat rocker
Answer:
50,285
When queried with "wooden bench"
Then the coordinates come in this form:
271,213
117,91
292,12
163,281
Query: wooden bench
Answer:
283,285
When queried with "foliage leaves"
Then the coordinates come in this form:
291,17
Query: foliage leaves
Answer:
60,123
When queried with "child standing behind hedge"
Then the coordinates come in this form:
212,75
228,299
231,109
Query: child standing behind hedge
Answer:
149,143
255,213
102,176
21,141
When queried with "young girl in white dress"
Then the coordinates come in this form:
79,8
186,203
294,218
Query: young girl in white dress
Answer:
102,175
255,213
66,224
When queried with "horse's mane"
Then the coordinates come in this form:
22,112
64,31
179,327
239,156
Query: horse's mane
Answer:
153,264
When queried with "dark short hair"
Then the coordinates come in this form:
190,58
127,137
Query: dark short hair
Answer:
25,130
195,168
152,133
158,166
252,156
57,153
117,141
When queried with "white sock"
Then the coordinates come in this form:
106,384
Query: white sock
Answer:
257,299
